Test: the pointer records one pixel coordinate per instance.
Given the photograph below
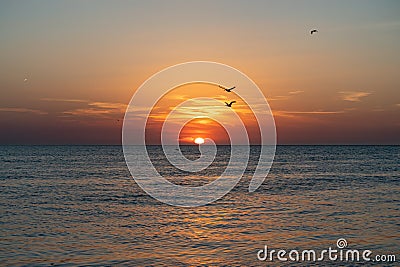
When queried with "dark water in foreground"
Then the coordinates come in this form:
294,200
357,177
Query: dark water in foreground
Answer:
77,205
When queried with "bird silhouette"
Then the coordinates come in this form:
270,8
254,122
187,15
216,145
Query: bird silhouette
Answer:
313,31
227,89
230,103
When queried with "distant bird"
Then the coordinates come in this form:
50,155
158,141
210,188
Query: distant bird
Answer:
313,31
25,80
227,89
229,104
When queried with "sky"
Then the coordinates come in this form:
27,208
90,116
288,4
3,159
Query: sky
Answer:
68,69
197,111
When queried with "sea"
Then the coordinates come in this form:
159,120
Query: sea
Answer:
79,206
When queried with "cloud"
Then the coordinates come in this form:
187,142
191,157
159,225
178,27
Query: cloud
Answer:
94,107
64,100
314,112
109,105
296,92
284,97
87,111
23,110
102,109
278,98
285,113
195,108
353,96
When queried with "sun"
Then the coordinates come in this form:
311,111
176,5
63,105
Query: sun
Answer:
199,140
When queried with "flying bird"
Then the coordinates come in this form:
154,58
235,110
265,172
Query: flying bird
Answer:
313,31
227,89
230,103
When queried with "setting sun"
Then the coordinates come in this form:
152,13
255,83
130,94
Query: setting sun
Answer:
199,140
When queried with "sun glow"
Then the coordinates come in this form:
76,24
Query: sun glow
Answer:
199,140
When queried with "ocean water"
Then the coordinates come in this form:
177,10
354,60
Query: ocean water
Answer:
78,205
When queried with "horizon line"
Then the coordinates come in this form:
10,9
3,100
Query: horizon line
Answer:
287,144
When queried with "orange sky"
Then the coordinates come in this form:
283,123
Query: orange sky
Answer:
200,126
340,86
